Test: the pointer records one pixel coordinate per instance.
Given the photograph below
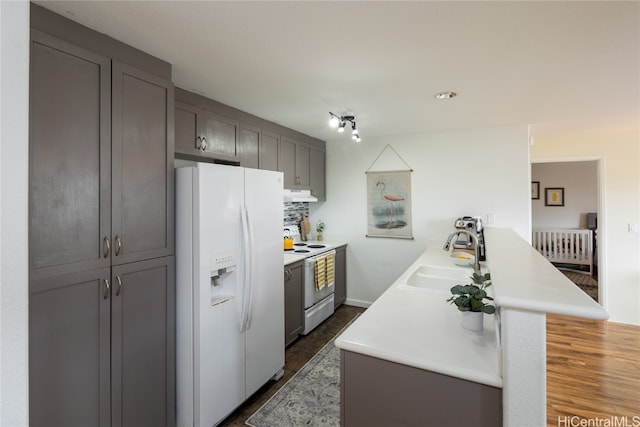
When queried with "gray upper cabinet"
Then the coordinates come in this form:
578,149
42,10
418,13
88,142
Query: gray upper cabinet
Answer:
202,133
69,158
303,155
317,168
269,146
142,177
249,141
287,162
303,166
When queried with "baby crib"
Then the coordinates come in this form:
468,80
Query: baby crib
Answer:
571,246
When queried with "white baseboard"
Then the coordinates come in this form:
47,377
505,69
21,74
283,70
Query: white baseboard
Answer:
358,303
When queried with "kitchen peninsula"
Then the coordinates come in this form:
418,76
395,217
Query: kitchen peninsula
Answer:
412,334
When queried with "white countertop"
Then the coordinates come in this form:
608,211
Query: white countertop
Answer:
417,327
523,279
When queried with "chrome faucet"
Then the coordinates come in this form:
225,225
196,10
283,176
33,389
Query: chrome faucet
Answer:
474,238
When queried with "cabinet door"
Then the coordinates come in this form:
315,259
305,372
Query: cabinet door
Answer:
317,173
143,340
69,350
303,156
248,145
293,303
186,137
142,155
69,158
340,294
269,151
218,136
287,162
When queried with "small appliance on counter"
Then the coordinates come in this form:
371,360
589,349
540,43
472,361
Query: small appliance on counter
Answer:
473,225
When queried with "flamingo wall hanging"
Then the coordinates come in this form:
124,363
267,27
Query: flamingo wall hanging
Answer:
389,201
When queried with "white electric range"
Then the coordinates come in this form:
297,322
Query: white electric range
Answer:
318,303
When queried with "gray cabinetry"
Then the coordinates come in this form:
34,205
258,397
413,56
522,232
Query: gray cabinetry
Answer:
205,134
317,173
403,395
303,166
142,165
340,294
142,352
101,240
69,158
249,141
69,350
269,146
293,302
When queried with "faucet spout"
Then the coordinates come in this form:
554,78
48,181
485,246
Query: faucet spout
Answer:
476,247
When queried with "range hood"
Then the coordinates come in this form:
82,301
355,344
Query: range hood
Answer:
298,196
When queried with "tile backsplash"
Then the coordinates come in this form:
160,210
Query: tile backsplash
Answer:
293,212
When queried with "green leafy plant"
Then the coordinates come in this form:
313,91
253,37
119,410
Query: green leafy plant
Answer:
320,227
471,297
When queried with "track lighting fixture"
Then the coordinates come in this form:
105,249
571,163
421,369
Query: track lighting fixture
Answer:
340,122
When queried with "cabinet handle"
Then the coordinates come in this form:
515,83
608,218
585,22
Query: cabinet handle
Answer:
106,247
119,288
198,143
203,144
105,294
118,244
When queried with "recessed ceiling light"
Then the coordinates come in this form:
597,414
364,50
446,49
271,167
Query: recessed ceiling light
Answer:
445,95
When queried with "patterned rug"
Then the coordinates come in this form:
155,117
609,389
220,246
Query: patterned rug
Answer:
310,398
584,282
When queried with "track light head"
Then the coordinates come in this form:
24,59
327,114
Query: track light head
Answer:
334,120
341,122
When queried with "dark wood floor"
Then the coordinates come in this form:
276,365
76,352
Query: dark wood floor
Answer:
593,368
296,356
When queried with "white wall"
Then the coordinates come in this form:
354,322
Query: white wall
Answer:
474,172
14,143
619,266
580,183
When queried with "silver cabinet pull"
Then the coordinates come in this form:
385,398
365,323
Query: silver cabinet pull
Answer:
119,288
118,244
106,247
105,294
203,144
197,143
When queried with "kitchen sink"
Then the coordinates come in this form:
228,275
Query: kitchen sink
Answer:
438,277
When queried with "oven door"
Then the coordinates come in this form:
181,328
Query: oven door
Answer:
312,294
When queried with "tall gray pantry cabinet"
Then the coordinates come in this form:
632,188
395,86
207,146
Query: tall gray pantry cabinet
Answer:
101,244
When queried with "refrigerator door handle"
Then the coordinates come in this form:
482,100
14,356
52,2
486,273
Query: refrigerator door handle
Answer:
246,253
249,309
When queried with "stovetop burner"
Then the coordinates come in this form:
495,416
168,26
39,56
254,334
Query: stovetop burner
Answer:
302,251
299,244
317,246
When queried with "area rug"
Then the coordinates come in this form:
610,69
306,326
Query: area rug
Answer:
310,398
584,282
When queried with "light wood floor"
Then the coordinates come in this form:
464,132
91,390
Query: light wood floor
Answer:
593,371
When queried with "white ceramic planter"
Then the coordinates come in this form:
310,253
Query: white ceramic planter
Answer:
472,320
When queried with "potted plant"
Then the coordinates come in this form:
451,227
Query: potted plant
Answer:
320,229
470,300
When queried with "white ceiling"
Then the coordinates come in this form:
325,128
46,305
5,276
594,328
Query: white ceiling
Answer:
558,66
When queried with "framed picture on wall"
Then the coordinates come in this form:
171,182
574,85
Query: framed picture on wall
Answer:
554,196
535,190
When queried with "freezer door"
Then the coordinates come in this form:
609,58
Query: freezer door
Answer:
265,332
219,373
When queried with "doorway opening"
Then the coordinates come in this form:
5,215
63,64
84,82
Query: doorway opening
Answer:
569,207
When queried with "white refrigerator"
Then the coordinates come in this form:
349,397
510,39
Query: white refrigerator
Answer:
229,288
